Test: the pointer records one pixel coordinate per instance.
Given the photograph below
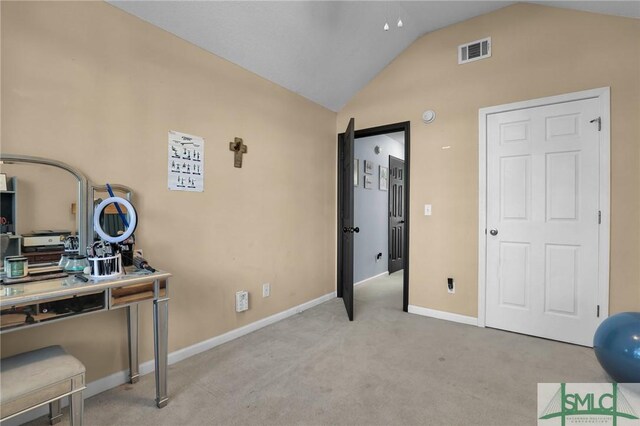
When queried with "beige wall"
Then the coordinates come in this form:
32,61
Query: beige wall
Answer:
87,84
537,51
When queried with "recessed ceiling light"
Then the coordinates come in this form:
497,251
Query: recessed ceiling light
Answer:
386,26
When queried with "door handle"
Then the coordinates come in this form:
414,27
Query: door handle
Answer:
494,232
346,229
356,229
402,221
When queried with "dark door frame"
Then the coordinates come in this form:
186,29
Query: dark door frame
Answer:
405,127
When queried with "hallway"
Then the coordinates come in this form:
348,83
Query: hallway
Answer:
379,294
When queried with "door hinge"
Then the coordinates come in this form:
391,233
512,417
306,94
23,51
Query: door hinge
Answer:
599,121
598,311
599,217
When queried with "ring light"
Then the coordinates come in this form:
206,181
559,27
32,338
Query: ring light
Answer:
133,220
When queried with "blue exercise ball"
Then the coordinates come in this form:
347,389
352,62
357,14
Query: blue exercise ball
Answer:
617,346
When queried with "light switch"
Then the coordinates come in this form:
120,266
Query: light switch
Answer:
427,209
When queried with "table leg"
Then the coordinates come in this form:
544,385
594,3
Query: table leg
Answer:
132,327
160,334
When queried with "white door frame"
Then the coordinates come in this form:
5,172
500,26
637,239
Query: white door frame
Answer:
603,94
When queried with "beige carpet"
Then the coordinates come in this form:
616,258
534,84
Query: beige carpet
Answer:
385,368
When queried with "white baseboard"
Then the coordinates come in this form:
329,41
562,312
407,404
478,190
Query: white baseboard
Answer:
371,278
192,350
116,379
449,316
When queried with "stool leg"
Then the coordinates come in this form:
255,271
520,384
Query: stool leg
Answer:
55,413
76,409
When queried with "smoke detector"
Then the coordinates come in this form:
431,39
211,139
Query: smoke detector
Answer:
428,116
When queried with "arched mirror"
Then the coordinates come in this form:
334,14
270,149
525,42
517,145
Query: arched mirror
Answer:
43,208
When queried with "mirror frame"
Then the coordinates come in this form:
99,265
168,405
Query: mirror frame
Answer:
81,211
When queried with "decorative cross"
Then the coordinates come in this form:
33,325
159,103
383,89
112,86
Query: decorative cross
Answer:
238,148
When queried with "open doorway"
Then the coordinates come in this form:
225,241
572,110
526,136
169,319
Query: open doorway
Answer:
373,218
378,206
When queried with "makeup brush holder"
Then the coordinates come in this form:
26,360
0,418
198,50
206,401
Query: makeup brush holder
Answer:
106,267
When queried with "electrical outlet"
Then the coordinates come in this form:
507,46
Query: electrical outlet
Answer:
451,285
266,290
242,301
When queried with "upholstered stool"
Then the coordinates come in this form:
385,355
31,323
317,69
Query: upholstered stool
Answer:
41,377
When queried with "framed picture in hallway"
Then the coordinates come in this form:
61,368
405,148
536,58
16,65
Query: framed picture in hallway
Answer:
368,181
384,178
356,171
368,167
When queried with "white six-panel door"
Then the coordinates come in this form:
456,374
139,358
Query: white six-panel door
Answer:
542,189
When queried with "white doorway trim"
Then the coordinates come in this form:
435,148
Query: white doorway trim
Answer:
603,94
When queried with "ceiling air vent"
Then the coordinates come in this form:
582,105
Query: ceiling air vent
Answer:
475,50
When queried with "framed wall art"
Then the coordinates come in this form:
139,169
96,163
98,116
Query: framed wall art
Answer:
384,178
368,167
368,181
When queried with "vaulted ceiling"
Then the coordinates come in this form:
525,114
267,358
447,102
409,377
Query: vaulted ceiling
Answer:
324,50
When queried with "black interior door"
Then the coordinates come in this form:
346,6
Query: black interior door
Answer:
396,214
347,226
